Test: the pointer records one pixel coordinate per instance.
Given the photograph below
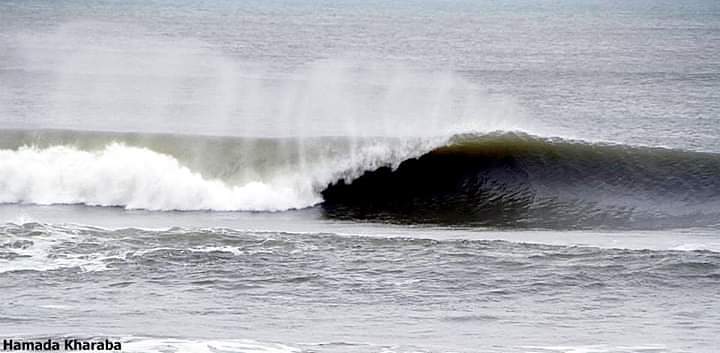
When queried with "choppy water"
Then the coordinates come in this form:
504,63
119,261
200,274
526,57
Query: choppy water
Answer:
329,293
423,176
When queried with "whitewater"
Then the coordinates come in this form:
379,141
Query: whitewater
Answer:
136,177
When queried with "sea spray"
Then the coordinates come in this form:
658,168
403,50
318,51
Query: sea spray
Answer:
114,77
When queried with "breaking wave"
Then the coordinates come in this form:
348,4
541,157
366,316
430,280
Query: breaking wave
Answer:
515,180
174,172
496,179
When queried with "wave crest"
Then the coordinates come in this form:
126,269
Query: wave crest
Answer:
496,179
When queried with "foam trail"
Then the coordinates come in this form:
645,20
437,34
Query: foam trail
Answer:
202,346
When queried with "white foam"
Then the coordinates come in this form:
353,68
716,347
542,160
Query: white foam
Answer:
135,178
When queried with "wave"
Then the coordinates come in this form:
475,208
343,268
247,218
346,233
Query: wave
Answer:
496,179
508,179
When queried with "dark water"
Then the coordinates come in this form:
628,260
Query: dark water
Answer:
524,181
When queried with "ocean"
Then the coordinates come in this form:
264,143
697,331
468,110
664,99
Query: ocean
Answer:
360,176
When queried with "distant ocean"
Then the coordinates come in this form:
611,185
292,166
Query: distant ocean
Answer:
361,176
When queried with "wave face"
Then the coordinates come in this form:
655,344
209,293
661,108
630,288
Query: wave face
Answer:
497,179
524,181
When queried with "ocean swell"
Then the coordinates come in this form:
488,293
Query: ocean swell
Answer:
495,179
